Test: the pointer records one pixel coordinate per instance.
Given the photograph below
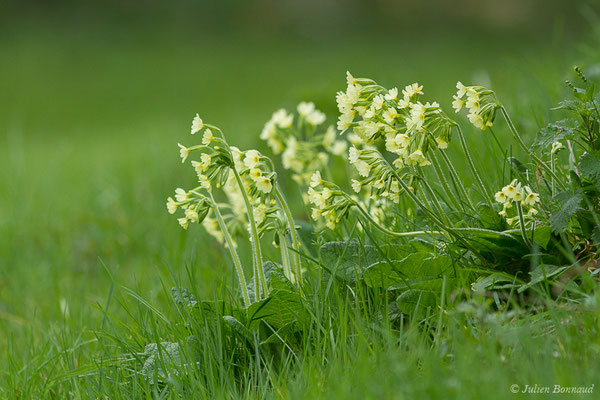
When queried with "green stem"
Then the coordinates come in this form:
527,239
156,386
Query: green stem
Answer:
285,256
457,179
522,224
434,199
478,179
234,255
294,234
519,140
393,233
444,182
259,276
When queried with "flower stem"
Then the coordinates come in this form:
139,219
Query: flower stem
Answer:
519,140
478,179
442,178
390,232
234,255
293,233
522,225
259,275
285,256
457,179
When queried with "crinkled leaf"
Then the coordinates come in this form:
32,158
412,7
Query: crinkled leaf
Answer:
348,260
411,270
569,205
555,131
493,281
589,165
183,297
279,309
167,358
268,267
541,273
237,327
417,301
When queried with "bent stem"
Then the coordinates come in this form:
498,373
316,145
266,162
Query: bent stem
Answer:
478,179
519,140
234,255
522,225
259,274
293,233
444,182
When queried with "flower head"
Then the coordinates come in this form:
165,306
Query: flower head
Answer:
252,158
197,124
184,152
207,137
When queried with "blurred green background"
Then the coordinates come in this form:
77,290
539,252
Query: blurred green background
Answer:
95,96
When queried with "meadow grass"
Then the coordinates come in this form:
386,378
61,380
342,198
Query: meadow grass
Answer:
87,158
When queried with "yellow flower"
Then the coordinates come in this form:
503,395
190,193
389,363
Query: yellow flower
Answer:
184,222
462,89
207,137
458,103
191,213
500,197
184,152
442,144
356,186
531,198
171,205
197,124
180,195
264,184
315,179
363,168
252,158
255,174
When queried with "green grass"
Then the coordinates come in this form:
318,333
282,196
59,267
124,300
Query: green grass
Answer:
88,155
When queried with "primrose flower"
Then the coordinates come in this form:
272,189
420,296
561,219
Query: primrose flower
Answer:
252,158
363,168
184,222
207,137
184,152
462,89
417,158
458,103
315,118
356,185
509,190
255,174
501,197
171,205
392,94
315,179
339,147
378,102
530,197
260,213
181,195
411,90
390,115
345,121
442,144
282,119
264,184
353,156
191,214
305,108
556,147
197,124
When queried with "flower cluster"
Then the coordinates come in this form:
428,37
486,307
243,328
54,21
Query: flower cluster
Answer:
516,193
331,203
302,145
407,126
479,101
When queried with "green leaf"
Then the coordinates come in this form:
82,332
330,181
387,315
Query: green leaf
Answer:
569,205
408,272
555,131
348,260
183,297
541,273
417,301
589,165
238,327
167,358
493,281
542,235
279,309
